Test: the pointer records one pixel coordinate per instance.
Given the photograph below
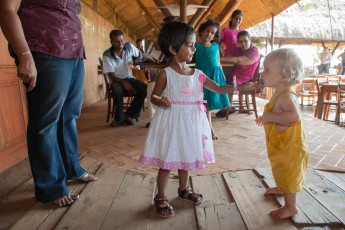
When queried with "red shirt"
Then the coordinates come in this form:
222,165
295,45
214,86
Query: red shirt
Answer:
53,27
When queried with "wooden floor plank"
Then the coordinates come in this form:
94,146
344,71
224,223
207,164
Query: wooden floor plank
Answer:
16,204
307,213
254,207
335,178
328,194
217,197
131,206
46,216
213,189
14,177
184,217
97,198
219,216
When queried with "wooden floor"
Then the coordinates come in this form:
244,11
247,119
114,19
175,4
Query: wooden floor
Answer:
122,199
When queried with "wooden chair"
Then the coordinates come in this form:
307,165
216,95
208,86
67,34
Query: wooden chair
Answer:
326,100
110,98
341,103
251,94
319,81
307,90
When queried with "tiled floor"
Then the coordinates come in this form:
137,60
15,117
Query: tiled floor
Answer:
241,143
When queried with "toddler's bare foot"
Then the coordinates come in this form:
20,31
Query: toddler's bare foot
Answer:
284,212
273,191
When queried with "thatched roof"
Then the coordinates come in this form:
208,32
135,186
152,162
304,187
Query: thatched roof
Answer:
308,22
141,18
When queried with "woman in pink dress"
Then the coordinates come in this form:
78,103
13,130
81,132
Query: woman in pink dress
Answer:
229,35
229,39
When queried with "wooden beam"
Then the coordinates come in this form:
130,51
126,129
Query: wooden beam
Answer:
94,5
272,33
335,48
225,15
183,11
165,11
199,12
149,17
205,15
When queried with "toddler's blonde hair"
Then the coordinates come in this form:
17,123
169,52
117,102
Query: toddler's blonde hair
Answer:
289,63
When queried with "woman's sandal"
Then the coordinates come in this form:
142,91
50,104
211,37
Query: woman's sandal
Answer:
86,177
188,195
66,200
164,209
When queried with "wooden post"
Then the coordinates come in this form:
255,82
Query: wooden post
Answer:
94,5
183,11
205,15
149,17
272,33
199,12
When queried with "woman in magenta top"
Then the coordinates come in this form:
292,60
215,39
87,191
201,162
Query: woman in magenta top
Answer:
229,35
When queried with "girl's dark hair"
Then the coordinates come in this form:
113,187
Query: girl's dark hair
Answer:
243,33
236,12
173,34
210,22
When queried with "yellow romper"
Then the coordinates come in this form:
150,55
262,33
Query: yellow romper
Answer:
287,151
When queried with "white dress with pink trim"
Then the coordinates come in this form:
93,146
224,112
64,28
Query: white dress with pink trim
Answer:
179,137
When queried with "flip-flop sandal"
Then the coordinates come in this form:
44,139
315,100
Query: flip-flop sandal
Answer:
86,177
66,200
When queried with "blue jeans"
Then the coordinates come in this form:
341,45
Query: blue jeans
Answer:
52,139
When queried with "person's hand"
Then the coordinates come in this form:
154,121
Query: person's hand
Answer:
27,71
249,86
259,121
162,101
128,87
126,46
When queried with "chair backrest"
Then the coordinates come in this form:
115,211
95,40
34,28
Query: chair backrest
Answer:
307,85
319,81
333,79
107,84
341,95
257,73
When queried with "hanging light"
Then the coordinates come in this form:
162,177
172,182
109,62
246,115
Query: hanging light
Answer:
175,9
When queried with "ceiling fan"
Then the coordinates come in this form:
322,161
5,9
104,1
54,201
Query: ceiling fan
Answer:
175,9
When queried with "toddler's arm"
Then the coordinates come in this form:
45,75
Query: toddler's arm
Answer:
285,113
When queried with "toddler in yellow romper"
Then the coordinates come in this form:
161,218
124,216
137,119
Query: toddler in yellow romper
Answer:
285,140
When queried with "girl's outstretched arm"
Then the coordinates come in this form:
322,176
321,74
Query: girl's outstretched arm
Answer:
286,113
160,85
223,89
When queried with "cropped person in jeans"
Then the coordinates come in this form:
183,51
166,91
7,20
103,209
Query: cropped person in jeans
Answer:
117,61
50,64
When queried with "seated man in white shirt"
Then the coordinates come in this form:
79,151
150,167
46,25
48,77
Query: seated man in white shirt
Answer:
117,62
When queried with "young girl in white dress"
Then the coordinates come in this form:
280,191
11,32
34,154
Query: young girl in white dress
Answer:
179,136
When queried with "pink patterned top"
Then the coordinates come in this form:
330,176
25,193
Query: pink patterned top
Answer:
53,27
229,38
